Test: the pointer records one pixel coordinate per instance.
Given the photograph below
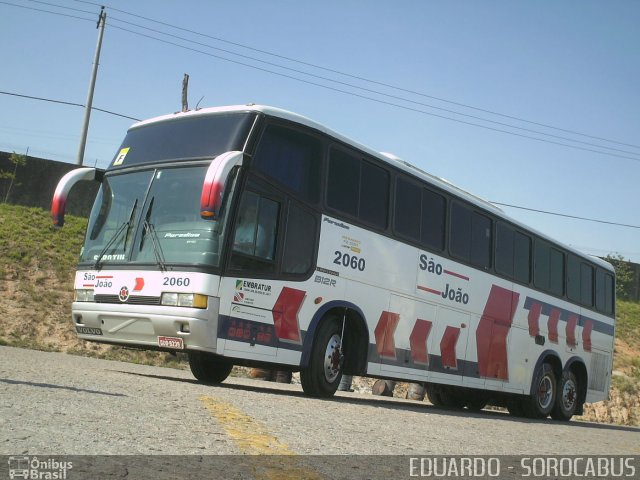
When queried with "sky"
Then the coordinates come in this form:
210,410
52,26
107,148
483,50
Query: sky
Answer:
532,103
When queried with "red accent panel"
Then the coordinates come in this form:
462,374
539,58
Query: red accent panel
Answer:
586,335
448,347
211,198
493,328
418,341
285,314
139,285
385,329
58,205
534,319
454,274
572,322
552,325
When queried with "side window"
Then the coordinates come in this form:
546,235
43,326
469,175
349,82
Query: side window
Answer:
549,268
556,272
573,278
470,236
434,214
300,241
292,159
504,250
374,195
358,188
407,209
343,187
522,258
604,292
586,285
254,241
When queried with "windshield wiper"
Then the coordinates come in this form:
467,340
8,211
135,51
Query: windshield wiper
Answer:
124,227
149,229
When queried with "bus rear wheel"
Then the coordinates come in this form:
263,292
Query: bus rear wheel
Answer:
567,397
541,403
209,368
322,376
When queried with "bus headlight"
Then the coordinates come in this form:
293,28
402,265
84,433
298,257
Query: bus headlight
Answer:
83,295
192,300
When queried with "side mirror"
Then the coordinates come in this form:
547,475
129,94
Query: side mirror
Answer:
215,183
65,184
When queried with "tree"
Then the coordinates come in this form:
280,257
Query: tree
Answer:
624,275
17,160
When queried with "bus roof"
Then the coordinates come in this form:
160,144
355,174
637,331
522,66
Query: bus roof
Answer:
382,156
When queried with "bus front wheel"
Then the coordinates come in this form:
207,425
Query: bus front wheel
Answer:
322,375
209,368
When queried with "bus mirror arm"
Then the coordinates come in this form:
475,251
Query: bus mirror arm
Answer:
214,183
59,202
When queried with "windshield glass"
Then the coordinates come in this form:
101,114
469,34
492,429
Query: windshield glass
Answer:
119,200
166,226
190,137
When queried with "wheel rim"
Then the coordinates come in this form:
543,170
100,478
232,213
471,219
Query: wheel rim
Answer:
545,392
332,359
569,395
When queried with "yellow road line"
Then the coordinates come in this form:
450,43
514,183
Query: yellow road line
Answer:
252,437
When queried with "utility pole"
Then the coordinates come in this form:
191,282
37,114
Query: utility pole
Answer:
185,93
92,83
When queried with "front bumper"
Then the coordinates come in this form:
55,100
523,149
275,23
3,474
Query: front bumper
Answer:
141,325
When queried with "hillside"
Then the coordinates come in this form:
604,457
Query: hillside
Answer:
37,264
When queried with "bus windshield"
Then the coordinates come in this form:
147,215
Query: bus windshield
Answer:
153,216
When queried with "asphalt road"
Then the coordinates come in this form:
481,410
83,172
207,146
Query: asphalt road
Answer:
57,404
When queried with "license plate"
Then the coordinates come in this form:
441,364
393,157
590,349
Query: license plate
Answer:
171,342
88,330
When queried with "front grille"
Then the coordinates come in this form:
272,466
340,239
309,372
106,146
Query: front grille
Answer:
132,300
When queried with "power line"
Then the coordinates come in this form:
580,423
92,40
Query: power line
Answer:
48,11
359,77
566,216
351,86
384,102
73,104
395,97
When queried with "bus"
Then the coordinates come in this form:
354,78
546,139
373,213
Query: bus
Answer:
252,236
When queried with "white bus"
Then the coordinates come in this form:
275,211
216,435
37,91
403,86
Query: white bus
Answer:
249,235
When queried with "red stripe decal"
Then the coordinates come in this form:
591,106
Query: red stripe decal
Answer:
552,325
491,335
418,341
430,290
534,319
572,322
139,284
449,272
88,285
586,335
385,329
448,347
104,276
285,314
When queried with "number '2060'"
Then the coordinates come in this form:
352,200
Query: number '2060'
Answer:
347,260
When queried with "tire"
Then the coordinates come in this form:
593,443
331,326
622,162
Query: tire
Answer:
433,395
566,402
541,403
452,398
475,404
515,408
322,375
209,368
